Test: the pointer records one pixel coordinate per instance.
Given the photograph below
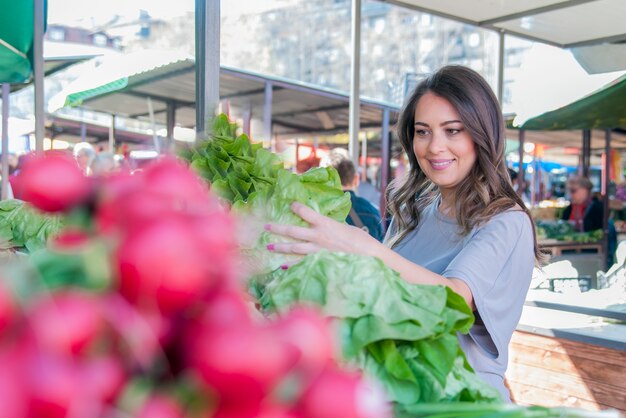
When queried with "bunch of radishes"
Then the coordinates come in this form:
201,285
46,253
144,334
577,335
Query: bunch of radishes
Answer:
173,335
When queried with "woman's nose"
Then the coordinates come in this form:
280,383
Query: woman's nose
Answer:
437,143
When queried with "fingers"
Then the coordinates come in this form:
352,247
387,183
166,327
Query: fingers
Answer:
300,248
306,213
292,231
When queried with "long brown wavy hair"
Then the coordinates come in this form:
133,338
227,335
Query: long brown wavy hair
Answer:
487,190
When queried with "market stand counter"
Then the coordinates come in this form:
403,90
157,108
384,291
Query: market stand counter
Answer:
568,355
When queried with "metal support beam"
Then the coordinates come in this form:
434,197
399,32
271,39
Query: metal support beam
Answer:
355,81
112,135
267,113
247,119
605,195
38,73
585,162
207,62
501,50
521,184
5,140
364,155
170,124
385,166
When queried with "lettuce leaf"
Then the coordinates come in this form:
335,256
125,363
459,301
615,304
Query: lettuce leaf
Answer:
22,226
318,188
403,334
235,167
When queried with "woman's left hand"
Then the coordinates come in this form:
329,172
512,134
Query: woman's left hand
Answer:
323,233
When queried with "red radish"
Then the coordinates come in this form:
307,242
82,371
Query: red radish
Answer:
162,262
227,308
69,239
177,183
54,386
13,395
243,363
337,393
310,333
143,334
160,406
67,321
8,308
53,183
103,377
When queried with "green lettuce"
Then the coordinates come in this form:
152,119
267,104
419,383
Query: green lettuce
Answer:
261,190
235,167
22,226
403,334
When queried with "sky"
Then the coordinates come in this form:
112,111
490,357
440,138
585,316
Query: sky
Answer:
89,13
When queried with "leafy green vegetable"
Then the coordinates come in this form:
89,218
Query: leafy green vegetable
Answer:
318,188
235,167
564,231
255,181
471,410
403,334
23,226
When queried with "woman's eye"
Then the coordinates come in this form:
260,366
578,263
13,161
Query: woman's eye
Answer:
452,131
421,132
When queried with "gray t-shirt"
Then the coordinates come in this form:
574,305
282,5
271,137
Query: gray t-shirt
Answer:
496,261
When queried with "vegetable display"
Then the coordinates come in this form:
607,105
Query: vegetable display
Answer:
138,305
24,228
564,231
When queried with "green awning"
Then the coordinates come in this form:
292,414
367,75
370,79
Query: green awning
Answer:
16,40
76,99
603,109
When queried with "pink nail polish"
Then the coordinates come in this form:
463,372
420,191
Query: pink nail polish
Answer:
284,267
270,247
267,227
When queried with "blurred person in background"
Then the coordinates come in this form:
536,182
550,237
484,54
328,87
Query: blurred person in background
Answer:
84,153
362,214
585,211
103,163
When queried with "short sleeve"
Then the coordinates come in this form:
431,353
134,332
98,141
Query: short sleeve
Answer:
496,263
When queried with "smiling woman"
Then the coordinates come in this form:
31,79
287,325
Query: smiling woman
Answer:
457,221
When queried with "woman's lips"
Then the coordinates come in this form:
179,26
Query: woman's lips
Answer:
440,164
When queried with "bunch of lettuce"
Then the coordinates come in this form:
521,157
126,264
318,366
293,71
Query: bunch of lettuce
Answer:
403,334
475,410
261,190
318,188
24,228
235,167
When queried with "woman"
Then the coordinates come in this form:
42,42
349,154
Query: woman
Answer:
585,212
456,219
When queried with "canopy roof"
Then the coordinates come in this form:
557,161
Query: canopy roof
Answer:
122,86
562,23
603,109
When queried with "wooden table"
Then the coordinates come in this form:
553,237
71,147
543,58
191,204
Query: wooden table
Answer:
557,247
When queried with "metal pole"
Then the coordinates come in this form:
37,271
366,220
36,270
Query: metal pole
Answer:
5,140
38,25
605,192
586,152
385,166
364,155
355,78
267,113
170,124
521,184
207,62
501,68
247,119
112,135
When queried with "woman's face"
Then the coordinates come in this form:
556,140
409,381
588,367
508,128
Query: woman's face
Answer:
578,194
444,149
